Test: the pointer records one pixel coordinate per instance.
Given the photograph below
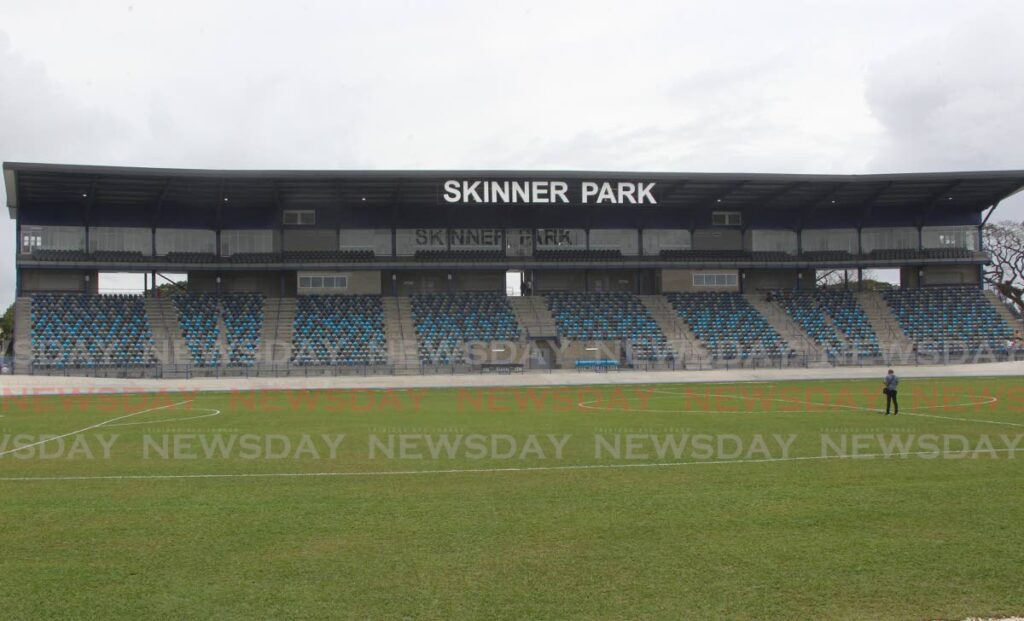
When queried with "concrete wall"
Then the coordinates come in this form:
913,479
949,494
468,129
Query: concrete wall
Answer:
717,239
559,280
616,280
777,279
310,239
950,275
59,280
682,280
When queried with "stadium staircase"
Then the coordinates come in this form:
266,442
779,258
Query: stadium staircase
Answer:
680,337
802,344
895,345
1003,310
22,333
534,317
168,344
403,349
278,328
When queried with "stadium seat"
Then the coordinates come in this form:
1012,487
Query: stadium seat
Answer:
953,319
445,322
610,316
81,330
728,325
339,330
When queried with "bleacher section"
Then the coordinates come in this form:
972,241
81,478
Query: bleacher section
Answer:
197,318
578,255
803,308
850,319
832,318
78,330
445,322
328,256
243,323
612,316
339,330
466,256
728,325
951,319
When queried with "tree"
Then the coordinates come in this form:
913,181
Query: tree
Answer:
1004,241
6,329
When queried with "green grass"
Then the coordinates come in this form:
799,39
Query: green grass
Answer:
901,537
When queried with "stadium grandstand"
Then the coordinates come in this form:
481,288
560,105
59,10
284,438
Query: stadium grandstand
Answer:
329,272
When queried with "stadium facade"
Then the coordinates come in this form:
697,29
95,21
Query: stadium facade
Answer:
604,257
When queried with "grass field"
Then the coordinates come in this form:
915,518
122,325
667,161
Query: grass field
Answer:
737,501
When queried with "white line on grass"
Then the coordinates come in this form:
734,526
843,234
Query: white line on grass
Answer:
990,401
90,427
385,473
211,414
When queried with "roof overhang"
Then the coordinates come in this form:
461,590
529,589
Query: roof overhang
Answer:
10,185
34,184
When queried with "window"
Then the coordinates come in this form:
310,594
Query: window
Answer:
726,218
30,241
965,237
322,282
714,280
250,241
299,217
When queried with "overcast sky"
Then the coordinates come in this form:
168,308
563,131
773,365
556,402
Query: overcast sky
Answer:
854,86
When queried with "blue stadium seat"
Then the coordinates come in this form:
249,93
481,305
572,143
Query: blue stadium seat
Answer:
445,322
81,330
728,325
339,330
610,316
954,319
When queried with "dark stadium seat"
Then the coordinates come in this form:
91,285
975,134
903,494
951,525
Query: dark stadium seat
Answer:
568,256
40,254
464,256
339,330
445,322
954,319
329,256
728,325
200,316
92,331
705,255
190,257
611,316
833,319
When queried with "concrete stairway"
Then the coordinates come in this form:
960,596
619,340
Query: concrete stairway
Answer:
533,316
22,334
894,343
168,343
682,339
278,327
777,317
403,350
1003,310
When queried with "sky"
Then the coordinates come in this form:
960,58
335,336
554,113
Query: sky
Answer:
845,86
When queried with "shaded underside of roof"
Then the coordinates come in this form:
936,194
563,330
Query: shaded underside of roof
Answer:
45,185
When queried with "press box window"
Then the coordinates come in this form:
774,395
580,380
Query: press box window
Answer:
714,280
726,218
299,217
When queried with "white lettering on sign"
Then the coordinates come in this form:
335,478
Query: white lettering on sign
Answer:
548,192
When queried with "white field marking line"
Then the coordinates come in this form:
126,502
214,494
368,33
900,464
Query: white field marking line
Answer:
212,411
386,473
23,447
990,401
586,404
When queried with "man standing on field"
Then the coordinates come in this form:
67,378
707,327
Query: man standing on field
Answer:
892,384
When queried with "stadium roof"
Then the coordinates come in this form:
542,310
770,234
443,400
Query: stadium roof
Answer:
43,185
